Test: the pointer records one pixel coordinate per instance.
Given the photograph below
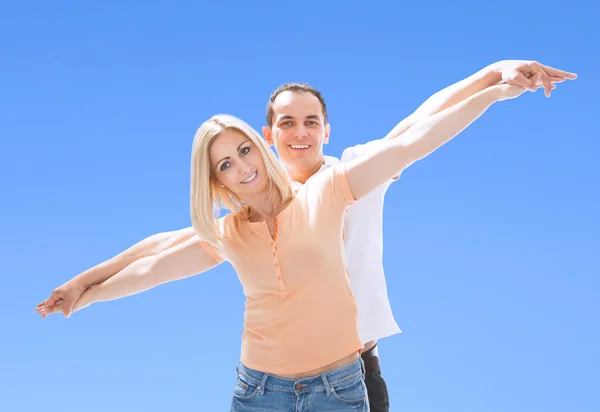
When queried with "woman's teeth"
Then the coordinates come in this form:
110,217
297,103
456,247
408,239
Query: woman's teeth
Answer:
251,178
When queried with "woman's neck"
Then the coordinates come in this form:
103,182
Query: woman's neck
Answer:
259,209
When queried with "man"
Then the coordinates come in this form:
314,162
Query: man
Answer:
298,127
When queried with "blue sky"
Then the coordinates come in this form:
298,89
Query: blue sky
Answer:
491,243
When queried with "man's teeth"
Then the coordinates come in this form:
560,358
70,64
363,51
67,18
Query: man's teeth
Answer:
299,146
250,178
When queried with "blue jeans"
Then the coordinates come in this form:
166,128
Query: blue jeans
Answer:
340,390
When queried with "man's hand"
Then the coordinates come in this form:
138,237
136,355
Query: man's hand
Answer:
531,75
62,299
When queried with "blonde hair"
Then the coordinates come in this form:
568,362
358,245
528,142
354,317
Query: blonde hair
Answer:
205,192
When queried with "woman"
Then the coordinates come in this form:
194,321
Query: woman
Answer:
300,346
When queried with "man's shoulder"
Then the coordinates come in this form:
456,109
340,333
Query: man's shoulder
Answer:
348,154
353,152
329,161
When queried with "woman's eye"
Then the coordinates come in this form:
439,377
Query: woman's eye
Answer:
224,166
244,151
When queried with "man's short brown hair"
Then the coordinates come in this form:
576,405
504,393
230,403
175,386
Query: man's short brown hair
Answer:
294,87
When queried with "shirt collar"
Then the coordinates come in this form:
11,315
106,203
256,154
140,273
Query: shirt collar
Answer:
329,161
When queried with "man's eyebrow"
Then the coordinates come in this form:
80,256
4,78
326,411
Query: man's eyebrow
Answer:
287,116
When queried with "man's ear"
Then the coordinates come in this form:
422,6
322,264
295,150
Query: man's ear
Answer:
327,131
268,135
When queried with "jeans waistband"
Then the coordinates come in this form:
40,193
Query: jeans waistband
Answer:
337,377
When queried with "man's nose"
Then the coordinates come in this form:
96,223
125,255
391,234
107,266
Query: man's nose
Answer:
300,131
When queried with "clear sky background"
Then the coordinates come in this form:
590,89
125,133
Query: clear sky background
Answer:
491,243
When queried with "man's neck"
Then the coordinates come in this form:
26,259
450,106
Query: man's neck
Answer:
301,173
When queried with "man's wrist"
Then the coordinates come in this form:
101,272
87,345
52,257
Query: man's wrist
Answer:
79,283
85,300
497,93
493,73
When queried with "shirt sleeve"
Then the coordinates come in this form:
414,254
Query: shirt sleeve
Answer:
330,187
340,184
211,251
222,224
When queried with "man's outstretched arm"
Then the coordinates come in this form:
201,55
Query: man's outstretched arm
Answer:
69,292
525,73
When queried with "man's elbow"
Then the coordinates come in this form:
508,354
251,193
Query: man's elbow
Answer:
406,154
402,127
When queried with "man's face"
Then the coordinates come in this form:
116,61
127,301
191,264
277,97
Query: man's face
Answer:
299,130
